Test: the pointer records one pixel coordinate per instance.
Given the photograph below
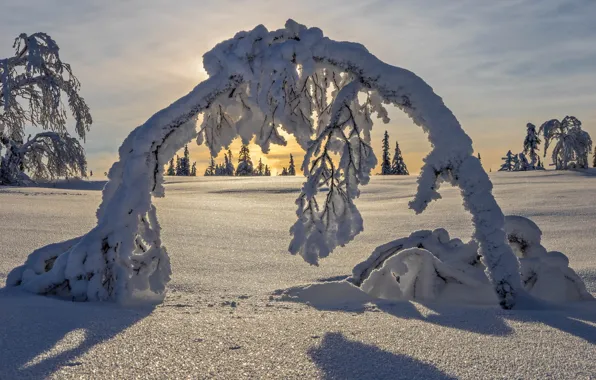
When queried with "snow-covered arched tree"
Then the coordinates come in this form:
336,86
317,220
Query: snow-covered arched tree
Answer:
573,143
398,166
321,91
33,84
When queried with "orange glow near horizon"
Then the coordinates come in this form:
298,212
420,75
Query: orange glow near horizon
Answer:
279,156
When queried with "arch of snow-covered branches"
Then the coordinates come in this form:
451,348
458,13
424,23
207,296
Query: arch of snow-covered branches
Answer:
261,81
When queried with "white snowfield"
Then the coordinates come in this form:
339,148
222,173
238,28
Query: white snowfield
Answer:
228,311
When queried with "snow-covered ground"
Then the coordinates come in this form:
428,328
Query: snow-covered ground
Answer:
228,238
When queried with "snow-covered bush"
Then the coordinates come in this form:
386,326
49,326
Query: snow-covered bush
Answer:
573,144
33,84
431,266
323,92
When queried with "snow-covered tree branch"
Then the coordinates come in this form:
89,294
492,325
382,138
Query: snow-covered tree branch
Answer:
261,82
33,84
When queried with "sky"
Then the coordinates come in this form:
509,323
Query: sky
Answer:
497,64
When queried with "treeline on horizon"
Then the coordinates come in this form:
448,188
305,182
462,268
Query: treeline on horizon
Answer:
572,146
181,165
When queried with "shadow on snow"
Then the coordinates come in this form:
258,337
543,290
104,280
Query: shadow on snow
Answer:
40,335
577,319
340,358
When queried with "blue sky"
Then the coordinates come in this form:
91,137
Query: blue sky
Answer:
497,64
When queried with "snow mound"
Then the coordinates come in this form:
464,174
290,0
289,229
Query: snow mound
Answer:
437,241
430,266
328,295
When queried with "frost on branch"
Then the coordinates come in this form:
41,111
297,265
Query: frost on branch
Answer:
33,84
323,92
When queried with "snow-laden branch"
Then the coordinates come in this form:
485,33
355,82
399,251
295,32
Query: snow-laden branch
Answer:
261,82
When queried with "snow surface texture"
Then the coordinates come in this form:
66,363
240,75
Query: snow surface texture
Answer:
261,81
234,254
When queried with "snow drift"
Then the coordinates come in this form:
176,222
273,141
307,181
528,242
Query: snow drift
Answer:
446,269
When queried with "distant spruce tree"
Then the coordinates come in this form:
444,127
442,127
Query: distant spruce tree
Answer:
210,171
509,164
177,165
171,169
479,158
220,170
230,165
185,162
531,143
386,162
284,171
291,168
516,163
594,162
260,170
193,170
267,171
398,166
523,163
225,165
245,167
